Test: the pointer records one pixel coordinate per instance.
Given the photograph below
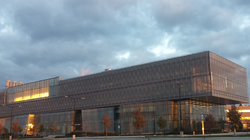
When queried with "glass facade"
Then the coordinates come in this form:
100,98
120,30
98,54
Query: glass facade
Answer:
207,82
229,80
148,82
170,111
23,119
63,121
40,89
92,120
150,111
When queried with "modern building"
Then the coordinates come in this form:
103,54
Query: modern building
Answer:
199,84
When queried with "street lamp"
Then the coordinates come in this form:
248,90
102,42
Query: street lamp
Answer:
202,125
74,99
11,108
181,132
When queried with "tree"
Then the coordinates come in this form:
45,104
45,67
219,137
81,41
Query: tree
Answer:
209,122
221,123
106,122
6,132
1,129
161,123
139,122
20,129
53,127
15,127
41,128
234,117
35,127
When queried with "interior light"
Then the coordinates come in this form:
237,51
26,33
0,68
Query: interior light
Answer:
35,96
244,110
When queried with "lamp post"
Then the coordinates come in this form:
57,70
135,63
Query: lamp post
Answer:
202,125
181,132
74,99
11,108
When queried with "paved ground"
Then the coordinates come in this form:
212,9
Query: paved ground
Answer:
220,134
169,137
110,137
165,138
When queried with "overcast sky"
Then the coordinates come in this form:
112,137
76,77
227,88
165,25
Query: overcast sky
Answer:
69,38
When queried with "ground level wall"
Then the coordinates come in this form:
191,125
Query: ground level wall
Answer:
90,119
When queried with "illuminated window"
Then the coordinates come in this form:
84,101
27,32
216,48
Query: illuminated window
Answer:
26,98
245,118
226,81
244,110
244,126
30,124
18,99
240,110
46,94
35,96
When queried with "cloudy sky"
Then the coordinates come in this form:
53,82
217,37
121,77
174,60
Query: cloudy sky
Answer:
70,38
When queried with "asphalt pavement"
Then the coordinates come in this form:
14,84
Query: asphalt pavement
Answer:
221,136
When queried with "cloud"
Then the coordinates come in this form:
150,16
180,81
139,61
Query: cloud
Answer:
44,39
164,48
84,72
244,22
123,56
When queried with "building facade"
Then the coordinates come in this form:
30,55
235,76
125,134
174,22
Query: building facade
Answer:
198,84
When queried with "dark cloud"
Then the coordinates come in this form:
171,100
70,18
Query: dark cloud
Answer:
187,15
43,39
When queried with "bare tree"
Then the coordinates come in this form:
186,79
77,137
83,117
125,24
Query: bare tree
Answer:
1,129
209,122
35,127
106,122
15,126
139,122
53,128
20,129
6,132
